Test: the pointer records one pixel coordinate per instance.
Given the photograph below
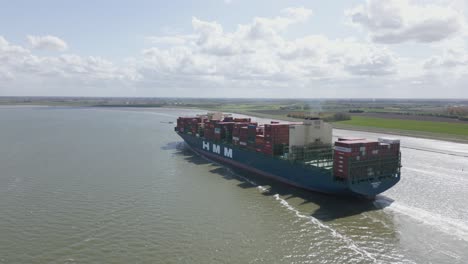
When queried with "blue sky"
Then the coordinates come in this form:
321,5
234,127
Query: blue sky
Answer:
395,48
92,27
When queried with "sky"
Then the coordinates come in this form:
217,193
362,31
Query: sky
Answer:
235,48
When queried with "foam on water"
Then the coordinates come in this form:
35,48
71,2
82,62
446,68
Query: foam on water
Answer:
445,224
259,187
349,242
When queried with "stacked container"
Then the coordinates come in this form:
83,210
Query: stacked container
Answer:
243,136
346,150
218,132
188,124
201,130
223,131
276,138
251,134
209,131
236,132
241,120
259,143
360,150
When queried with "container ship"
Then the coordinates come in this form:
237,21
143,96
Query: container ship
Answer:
300,154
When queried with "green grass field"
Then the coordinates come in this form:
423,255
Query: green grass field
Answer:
424,126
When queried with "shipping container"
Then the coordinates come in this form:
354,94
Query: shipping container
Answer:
365,159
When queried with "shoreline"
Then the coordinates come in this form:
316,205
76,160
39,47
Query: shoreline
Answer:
417,134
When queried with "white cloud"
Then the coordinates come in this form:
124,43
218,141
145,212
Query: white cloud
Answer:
450,60
47,43
20,68
12,58
173,40
447,60
374,63
268,27
297,13
258,55
254,59
397,21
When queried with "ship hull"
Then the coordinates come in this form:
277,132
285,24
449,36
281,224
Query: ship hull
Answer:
306,177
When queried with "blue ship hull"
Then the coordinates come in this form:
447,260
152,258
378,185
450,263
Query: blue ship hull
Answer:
296,174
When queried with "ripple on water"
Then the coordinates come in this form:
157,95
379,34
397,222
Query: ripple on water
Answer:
121,191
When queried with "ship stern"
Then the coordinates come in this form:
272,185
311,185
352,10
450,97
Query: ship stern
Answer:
371,187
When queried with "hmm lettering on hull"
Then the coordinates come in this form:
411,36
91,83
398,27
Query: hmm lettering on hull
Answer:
227,152
206,146
216,149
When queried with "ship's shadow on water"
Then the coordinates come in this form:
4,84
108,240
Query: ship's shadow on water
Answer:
330,207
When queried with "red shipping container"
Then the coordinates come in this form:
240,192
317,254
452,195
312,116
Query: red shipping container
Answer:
260,139
243,120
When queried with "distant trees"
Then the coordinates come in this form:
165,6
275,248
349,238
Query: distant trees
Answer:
460,111
328,117
356,111
340,116
302,115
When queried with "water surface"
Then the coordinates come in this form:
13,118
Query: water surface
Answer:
86,185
